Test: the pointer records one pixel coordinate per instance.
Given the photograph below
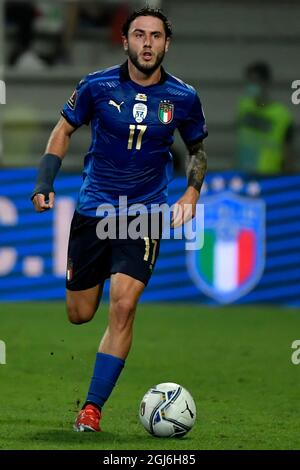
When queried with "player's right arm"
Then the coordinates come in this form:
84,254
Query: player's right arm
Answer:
77,111
57,146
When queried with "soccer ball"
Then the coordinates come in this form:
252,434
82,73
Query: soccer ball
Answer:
167,410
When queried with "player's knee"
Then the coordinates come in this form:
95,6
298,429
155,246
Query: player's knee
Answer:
77,316
124,313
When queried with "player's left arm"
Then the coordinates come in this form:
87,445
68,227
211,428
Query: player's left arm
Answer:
196,165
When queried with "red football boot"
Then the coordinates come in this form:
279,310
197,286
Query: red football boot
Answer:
88,419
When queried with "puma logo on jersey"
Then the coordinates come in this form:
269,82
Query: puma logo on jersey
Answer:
116,105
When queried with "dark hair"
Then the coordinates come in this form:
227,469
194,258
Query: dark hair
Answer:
147,11
261,69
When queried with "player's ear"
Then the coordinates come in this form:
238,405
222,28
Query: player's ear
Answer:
167,44
125,43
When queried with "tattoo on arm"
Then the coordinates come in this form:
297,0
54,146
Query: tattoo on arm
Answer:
196,164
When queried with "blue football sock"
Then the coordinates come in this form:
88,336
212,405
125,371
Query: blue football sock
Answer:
106,373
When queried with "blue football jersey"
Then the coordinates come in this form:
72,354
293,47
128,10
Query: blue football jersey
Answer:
132,129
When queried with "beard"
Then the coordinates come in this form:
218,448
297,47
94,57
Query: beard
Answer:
147,69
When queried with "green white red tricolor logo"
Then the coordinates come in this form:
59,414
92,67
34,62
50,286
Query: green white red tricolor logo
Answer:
166,111
232,259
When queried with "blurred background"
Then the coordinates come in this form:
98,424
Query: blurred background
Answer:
50,45
242,58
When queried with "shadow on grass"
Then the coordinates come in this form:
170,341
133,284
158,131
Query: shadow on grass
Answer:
66,436
61,439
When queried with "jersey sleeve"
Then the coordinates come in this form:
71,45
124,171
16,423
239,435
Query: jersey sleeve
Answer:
193,128
78,109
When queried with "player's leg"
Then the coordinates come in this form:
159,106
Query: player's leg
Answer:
83,304
132,266
88,266
125,292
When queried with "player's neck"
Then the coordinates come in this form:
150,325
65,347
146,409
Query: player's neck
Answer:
142,79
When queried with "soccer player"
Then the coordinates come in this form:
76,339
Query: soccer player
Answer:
133,110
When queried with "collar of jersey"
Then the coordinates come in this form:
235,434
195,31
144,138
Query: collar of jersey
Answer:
125,77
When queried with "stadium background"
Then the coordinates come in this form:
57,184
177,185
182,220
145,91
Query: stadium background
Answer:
213,42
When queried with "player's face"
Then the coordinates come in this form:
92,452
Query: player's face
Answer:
146,44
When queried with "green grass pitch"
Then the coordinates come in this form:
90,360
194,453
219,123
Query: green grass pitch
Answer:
236,362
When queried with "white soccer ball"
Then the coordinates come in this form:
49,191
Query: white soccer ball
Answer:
167,410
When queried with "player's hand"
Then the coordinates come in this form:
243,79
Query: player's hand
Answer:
40,203
185,207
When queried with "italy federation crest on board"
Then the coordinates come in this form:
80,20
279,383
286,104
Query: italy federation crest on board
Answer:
165,111
232,259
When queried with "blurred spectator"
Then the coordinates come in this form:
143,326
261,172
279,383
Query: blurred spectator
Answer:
58,22
21,15
90,14
94,14
265,130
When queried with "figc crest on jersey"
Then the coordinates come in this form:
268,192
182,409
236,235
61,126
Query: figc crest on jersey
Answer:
232,259
165,111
